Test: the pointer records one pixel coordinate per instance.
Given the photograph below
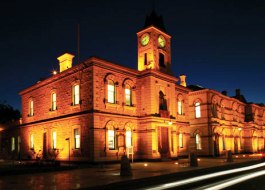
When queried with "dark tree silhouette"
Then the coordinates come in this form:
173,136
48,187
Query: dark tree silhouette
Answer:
8,114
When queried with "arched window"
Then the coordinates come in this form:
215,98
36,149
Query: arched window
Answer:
31,108
76,94
180,107
53,101
54,140
128,95
162,101
128,137
162,60
77,138
197,110
198,142
111,92
181,140
111,138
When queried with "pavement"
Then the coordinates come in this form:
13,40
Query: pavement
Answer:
95,177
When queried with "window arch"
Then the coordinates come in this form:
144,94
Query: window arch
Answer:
197,110
111,92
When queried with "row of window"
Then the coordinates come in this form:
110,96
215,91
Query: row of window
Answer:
111,94
197,141
77,143
75,100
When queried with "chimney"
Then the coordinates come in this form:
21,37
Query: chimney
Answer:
65,61
237,92
224,92
183,80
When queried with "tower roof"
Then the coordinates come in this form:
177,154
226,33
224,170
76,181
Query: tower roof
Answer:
154,20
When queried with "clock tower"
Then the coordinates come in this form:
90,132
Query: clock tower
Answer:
154,45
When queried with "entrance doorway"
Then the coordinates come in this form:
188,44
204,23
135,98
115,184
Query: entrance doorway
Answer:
163,143
216,145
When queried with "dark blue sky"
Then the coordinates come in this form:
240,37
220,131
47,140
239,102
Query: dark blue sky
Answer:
217,44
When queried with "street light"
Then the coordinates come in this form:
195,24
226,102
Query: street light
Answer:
68,139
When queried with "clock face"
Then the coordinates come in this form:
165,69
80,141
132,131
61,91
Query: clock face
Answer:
145,39
161,41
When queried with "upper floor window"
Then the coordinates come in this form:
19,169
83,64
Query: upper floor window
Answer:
111,138
31,110
76,94
181,140
197,110
198,142
53,101
111,92
180,107
162,101
128,135
128,95
54,140
77,138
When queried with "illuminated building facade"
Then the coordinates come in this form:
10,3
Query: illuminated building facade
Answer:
98,110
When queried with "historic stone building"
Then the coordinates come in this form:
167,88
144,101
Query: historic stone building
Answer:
98,111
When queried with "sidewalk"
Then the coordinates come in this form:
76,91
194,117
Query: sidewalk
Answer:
107,174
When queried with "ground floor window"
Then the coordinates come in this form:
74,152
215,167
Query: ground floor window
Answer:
181,140
224,146
12,143
111,139
198,142
54,140
31,142
128,136
77,138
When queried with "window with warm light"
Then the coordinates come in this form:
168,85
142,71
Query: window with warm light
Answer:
53,101
181,140
180,107
128,135
224,145
198,142
128,95
31,141
77,138
31,111
111,92
13,144
54,140
76,94
111,139
18,143
197,110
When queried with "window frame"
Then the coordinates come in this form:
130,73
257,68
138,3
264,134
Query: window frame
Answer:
31,107
111,92
54,140
31,142
76,95
197,110
198,141
53,101
77,140
181,144
128,88
111,137
128,138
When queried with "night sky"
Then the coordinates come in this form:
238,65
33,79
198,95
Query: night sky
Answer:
217,44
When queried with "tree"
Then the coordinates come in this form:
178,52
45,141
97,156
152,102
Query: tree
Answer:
8,114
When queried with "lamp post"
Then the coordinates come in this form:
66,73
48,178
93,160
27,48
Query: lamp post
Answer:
68,139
